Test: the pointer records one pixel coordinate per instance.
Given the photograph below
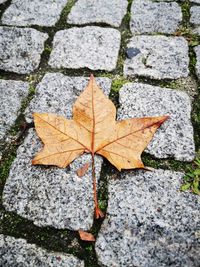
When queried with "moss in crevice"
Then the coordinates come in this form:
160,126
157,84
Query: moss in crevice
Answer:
185,7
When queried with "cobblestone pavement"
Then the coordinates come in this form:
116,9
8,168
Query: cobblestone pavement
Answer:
145,56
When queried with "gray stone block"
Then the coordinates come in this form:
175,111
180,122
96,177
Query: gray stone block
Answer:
50,196
103,11
195,1
11,95
159,57
88,47
17,252
196,30
154,17
195,15
175,137
2,1
56,93
21,49
197,51
150,222
35,12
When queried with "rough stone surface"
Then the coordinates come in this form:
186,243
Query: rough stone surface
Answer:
56,93
50,196
88,47
175,137
150,223
35,12
11,95
20,49
195,15
17,252
195,1
160,57
197,51
103,11
2,1
196,31
154,17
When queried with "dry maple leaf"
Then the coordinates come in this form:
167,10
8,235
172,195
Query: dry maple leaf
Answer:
93,129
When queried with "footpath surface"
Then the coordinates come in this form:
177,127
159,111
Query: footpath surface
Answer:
145,56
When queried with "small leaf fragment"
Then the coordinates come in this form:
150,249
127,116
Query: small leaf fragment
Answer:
85,236
82,171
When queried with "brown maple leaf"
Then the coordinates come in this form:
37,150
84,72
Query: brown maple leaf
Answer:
93,129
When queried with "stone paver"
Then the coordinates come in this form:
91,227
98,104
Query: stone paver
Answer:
103,11
17,252
11,95
95,48
175,137
20,49
195,15
196,30
35,12
154,17
150,222
50,195
56,93
158,57
197,51
195,1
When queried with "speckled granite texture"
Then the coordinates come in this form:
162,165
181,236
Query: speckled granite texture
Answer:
103,11
150,222
154,17
50,196
21,49
90,47
158,57
175,137
34,12
12,94
197,51
17,253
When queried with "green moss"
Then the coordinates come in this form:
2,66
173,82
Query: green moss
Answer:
62,23
185,6
117,83
192,178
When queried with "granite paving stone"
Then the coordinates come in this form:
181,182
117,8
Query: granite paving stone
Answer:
195,1
154,17
195,15
50,195
175,137
35,12
18,253
56,93
12,94
90,47
196,30
21,49
157,57
197,51
150,222
103,11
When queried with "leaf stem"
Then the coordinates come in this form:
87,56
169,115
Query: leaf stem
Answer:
98,212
